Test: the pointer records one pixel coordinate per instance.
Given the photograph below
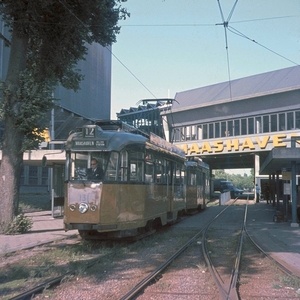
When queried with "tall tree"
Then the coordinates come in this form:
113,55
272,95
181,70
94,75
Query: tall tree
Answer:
47,39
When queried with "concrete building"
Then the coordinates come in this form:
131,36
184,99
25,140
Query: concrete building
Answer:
241,124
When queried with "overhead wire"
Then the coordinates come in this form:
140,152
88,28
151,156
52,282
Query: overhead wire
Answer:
225,25
238,33
70,11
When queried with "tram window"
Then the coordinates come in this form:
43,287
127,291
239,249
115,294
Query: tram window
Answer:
273,123
229,128
159,171
111,172
266,123
79,165
250,125
244,126
290,120
149,171
210,130
217,130
136,166
281,122
297,119
123,165
192,179
237,127
179,180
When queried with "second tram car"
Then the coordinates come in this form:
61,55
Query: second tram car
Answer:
144,182
197,185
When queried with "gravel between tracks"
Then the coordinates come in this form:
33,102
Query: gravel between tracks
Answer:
187,277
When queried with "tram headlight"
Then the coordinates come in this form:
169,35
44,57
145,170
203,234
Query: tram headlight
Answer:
83,208
72,207
93,207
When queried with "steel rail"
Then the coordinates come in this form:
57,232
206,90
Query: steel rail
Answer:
143,283
226,291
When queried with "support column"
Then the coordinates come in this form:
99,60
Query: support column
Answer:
294,196
277,189
273,189
256,173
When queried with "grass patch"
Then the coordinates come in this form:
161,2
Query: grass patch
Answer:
49,262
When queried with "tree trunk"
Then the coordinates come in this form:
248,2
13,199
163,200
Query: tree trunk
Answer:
12,155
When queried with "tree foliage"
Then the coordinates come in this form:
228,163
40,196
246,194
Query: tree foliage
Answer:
239,181
47,39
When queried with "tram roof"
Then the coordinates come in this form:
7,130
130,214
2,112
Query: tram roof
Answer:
278,81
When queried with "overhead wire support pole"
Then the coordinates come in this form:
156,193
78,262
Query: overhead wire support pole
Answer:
225,25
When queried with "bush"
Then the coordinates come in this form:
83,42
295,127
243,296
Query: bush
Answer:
20,224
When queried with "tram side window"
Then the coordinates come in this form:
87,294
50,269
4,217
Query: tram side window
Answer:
123,173
112,167
159,171
179,180
191,178
136,160
149,168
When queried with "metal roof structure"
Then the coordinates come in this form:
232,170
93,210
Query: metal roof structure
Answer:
273,82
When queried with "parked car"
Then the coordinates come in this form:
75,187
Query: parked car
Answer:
235,192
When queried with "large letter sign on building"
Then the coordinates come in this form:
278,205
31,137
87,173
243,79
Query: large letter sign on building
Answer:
238,145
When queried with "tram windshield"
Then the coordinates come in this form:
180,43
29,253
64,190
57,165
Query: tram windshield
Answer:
81,164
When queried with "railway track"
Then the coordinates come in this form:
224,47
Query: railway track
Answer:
229,284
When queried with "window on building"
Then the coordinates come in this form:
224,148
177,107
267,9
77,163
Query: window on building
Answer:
230,128
211,131
200,132
188,133
33,175
281,123
204,131
258,125
273,123
243,126
223,129
176,135
266,123
297,119
182,133
290,120
250,125
237,127
217,130
194,132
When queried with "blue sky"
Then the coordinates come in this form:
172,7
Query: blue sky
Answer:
175,45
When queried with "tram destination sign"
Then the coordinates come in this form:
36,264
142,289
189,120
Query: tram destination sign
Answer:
88,144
